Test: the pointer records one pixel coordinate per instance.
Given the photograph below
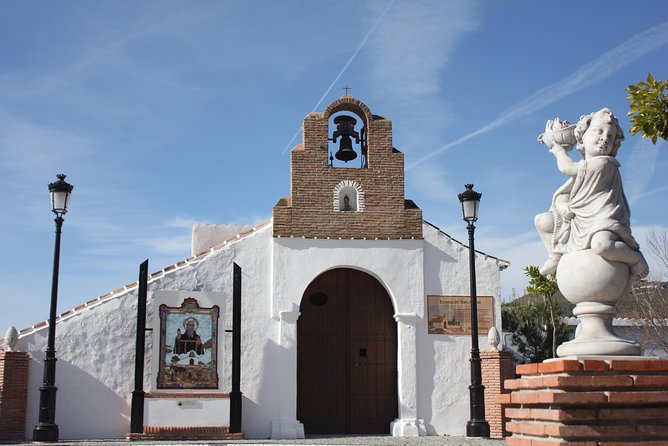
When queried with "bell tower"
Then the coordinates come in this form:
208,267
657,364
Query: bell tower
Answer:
329,201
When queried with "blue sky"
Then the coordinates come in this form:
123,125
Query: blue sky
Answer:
169,113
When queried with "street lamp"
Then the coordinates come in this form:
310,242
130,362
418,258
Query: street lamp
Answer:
477,426
46,429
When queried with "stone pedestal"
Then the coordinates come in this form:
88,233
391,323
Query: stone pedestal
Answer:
176,416
588,401
594,285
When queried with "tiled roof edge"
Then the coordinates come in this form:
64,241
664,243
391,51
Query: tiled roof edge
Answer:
505,263
151,278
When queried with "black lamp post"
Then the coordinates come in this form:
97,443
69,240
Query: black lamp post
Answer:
477,426
47,429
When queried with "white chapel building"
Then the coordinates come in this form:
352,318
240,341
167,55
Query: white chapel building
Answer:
353,313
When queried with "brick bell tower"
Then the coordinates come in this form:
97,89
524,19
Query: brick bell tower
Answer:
365,202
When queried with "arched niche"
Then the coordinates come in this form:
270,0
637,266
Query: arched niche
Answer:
357,138
355,194
347,135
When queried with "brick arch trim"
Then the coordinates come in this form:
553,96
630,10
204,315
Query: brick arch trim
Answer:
349,184
349,103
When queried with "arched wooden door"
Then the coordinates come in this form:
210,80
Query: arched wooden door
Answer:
346,355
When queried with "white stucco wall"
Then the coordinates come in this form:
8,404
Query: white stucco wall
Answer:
444,359
95,347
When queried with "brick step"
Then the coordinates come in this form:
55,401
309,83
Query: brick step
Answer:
185,433
583,416
591,382
590,432
584,398
526,441
588,402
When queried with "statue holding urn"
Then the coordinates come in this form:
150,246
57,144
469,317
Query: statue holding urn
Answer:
587,231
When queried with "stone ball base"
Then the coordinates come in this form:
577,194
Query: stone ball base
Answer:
586,277
594,285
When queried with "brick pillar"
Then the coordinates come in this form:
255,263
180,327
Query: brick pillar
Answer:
589,402
13,394
497,366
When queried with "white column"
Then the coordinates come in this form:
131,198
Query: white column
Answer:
408,424
287,426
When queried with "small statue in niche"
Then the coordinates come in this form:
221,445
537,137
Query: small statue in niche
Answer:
590,210
346,204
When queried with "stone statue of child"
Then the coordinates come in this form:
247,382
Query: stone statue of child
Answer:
590,210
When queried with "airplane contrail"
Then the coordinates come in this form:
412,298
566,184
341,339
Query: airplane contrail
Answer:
585,76
345,67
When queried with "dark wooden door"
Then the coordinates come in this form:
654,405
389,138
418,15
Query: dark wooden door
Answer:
346,355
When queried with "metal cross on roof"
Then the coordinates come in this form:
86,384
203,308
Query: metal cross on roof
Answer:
347,88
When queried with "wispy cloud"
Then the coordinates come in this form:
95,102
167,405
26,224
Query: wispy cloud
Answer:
345,67
185,223
31,147
407,59
177,244
584,77
639,169
432,184
522,250
414,45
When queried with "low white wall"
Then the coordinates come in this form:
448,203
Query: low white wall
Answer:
186,412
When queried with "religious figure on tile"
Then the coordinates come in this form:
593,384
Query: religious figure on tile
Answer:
590,210
190,340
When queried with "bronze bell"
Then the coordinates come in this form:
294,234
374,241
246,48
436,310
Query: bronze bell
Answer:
345,128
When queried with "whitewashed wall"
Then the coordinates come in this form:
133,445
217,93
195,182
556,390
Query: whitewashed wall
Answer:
95,346
444,374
